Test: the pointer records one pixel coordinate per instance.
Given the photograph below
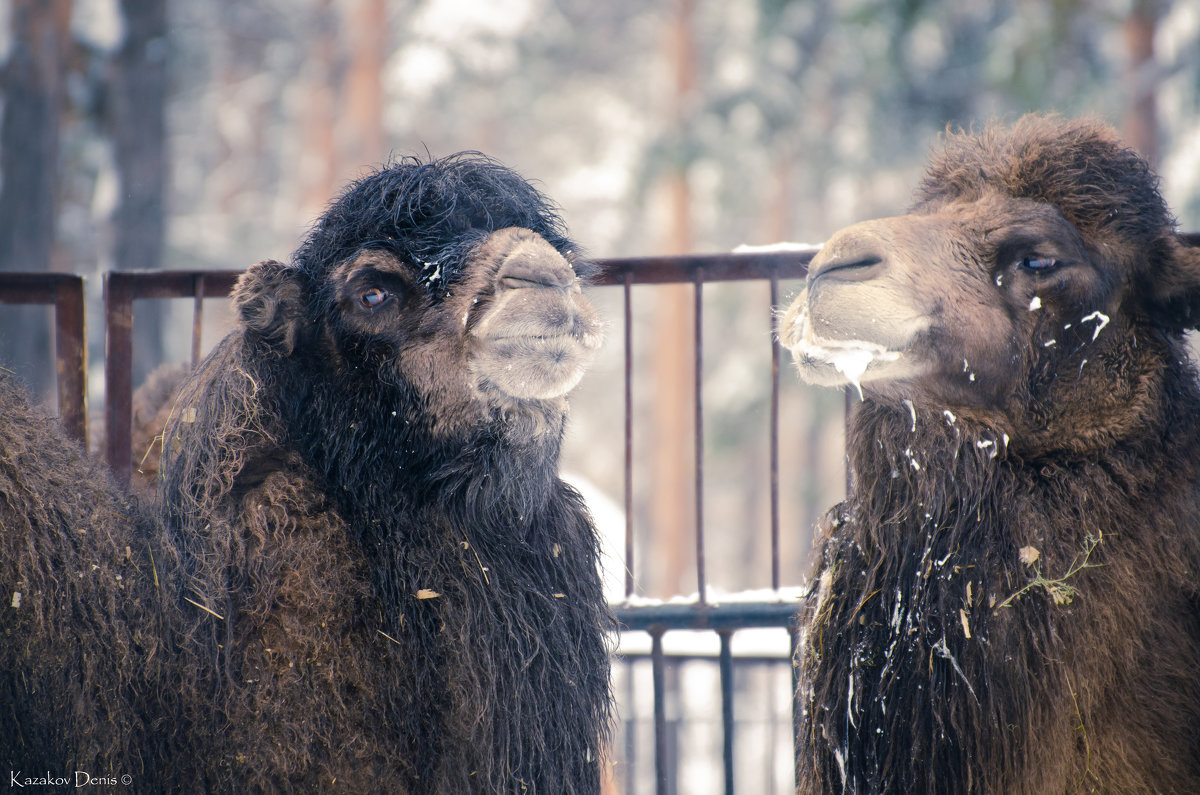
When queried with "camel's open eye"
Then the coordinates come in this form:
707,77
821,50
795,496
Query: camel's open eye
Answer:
374,297
1039,263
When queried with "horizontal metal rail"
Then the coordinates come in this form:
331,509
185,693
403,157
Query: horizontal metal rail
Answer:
122,288
63,291
718,617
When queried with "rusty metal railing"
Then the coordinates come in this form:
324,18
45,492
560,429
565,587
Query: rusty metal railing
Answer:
122,289
63,291
723,619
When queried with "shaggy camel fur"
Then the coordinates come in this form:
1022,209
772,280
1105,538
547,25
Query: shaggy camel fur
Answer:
1008,601
395,589
86,673
366,575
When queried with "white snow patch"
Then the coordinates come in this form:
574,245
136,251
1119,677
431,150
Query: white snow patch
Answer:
949,415
850,357
1049,343
1035,304
850,703
989,445
609,516
1101,320
716,596
781,246
761,643
852,363
912,412
841,760
942,649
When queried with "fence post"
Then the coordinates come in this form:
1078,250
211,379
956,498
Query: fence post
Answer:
118,374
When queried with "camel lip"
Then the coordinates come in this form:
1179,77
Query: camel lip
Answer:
584,339
817,356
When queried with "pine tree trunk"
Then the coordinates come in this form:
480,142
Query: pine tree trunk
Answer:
367,32
33,86
1141,116
137,121
319,161
673,439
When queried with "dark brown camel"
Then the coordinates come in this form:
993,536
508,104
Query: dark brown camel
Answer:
365,575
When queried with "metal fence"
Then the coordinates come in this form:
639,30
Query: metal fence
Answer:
64,292
652,751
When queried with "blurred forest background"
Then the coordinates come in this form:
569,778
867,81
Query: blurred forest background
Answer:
175,134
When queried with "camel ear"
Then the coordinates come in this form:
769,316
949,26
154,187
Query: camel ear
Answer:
1174,300
270,301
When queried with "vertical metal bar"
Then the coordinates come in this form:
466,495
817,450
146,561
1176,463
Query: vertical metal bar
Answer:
658,666
197,317
771,707
628,294
727,704
118,373
774,432
71,356
629,773
698,293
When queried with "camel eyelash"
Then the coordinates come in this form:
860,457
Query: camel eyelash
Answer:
1039,264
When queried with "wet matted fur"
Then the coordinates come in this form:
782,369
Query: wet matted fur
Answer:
1007,601
395,591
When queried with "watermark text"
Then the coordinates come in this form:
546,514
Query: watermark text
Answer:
79,779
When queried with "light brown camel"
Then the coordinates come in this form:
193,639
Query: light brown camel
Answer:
1008,601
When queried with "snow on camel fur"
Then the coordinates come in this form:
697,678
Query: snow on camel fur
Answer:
1009,598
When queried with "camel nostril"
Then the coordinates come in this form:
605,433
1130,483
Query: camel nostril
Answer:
516,283
518,273
853,268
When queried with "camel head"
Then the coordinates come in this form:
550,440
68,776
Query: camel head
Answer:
448,283
1033,263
